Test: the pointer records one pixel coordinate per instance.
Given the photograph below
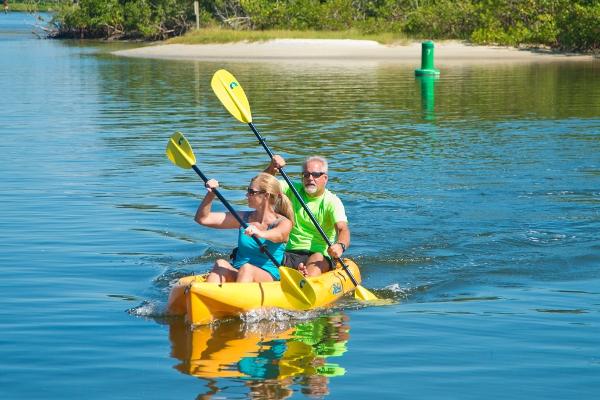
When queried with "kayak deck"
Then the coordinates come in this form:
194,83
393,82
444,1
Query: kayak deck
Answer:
203,302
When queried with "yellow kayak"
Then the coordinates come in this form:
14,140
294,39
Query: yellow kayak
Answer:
203,302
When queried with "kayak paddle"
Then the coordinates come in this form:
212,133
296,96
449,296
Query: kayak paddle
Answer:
297,289
232,96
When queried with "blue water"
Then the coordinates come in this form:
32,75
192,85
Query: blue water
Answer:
474,205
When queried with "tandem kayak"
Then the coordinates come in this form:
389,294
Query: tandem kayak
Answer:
201,302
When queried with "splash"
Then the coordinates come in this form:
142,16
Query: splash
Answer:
278,315
149,309
395,292
545,237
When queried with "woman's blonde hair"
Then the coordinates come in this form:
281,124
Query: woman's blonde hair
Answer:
281,203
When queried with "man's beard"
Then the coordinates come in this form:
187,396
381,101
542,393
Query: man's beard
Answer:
310,189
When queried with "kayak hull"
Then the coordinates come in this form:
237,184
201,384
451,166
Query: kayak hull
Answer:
203,302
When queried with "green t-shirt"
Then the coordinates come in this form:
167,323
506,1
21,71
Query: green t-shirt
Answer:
327,210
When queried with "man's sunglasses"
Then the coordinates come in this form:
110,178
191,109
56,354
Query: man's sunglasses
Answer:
313,174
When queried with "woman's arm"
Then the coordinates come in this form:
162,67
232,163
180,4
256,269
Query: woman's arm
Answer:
278,234
204,215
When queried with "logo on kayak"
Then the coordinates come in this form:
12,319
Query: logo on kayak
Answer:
302,283
233,85
336,288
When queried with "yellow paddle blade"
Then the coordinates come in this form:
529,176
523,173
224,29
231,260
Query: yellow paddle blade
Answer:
297,289
364,294
230,93
180,151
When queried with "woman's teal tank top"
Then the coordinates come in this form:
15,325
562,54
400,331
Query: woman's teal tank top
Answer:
248,252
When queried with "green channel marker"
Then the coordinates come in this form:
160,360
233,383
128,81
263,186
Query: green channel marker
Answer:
427,60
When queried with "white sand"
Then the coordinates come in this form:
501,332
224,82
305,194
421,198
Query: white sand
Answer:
346,51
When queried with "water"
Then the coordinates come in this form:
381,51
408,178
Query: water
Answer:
474,204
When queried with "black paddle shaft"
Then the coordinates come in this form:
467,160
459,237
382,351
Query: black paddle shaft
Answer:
310,214
262,247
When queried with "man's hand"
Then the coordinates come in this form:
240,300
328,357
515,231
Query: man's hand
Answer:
277,162
335,250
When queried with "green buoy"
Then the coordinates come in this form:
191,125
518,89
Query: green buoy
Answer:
427,60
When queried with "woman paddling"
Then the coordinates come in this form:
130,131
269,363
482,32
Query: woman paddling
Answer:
271,222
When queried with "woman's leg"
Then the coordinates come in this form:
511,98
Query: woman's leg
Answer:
251,273
222,271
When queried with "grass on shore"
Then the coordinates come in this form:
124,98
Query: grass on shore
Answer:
31,7
220,35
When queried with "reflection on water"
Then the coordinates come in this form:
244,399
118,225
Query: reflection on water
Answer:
268,356
427,83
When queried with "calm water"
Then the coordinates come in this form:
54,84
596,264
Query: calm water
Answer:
474,204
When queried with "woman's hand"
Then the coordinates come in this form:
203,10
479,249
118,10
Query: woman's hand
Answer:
252,230
211,184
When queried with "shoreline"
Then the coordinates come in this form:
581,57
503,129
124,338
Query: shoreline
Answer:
347,51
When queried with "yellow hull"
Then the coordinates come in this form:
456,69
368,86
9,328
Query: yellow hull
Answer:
203,302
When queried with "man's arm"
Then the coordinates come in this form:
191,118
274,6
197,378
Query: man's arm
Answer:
277,162
343,240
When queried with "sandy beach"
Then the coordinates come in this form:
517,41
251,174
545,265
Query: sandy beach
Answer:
347,51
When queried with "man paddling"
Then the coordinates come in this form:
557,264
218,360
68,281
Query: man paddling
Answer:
306,249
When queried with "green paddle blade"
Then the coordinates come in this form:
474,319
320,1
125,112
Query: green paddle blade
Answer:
297,289
232,96
180,151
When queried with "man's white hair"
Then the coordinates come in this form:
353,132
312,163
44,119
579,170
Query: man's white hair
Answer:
318,159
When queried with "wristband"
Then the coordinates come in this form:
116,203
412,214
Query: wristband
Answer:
343,246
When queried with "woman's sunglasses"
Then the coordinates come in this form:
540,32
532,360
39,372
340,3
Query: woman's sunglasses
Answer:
313,174
252,192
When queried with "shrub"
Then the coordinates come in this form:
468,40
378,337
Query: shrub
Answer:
579,27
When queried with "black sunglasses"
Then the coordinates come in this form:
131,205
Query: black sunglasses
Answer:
313,174
252,192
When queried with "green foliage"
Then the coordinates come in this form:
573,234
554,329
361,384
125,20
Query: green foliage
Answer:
138,18
299,14
580,27
442,19
148,19
90,18
516,22
562,24
33,6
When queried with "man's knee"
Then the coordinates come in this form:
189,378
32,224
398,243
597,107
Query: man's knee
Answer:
320,262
